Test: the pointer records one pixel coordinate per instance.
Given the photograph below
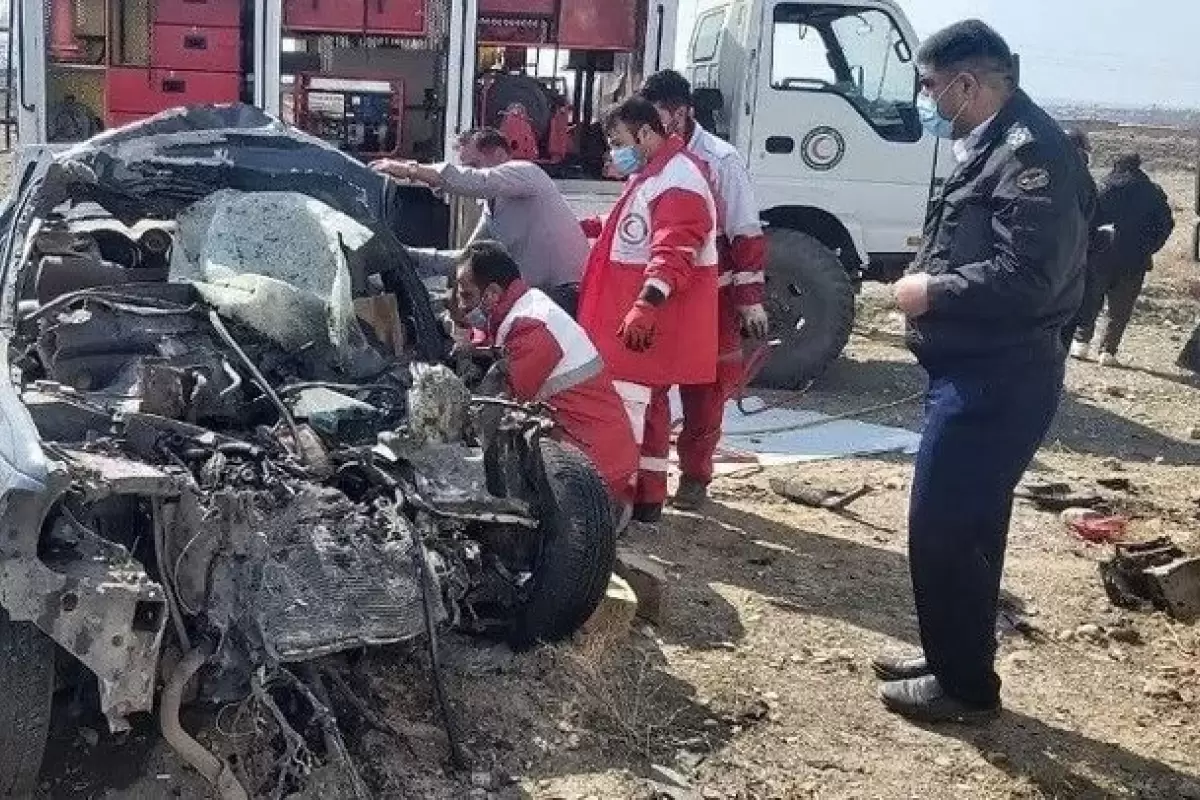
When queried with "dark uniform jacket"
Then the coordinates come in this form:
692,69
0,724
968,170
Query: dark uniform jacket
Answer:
1005,242
1141,214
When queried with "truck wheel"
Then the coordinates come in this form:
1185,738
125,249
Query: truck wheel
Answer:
27,675
810,299
578,549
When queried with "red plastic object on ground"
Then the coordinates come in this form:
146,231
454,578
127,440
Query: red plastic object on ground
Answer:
1094,527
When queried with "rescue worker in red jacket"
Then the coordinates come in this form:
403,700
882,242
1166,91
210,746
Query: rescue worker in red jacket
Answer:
740,309
547,357
649,293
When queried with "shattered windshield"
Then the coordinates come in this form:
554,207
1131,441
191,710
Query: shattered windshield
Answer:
277,263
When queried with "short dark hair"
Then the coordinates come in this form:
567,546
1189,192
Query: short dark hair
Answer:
668,89
968,46
635,112
490,263
1128,162
484,139
1079,137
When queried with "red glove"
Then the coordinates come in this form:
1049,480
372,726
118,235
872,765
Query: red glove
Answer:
637,331
592,227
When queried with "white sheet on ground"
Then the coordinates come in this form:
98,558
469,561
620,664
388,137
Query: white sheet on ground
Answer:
778,436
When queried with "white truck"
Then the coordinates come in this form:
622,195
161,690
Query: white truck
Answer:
819,97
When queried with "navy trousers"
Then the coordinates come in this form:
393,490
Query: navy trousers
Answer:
983,425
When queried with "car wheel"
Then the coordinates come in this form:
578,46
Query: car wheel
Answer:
578,546
810,300
27,677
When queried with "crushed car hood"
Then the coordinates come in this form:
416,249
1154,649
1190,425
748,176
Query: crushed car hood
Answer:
156,168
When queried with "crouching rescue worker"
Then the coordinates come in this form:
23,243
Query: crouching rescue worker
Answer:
649,293
740,310
546,357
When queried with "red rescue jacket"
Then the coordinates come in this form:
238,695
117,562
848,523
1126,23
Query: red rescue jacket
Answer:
550,359
742,245
661,233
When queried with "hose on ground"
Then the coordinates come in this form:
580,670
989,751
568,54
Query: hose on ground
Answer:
214,770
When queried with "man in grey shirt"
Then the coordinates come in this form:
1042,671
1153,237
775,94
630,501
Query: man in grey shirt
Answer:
522,209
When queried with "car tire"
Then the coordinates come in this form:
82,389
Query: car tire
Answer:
810,300
27,675
578,547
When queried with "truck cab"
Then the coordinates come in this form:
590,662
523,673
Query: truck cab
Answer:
820,99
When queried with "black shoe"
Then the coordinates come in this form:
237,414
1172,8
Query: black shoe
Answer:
900,668
691,495
649,513
923,700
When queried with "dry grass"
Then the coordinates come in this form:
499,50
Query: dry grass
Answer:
622,694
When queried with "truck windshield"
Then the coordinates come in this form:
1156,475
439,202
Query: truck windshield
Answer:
858,53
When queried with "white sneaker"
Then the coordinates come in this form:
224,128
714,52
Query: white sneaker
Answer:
1109,360
1081,350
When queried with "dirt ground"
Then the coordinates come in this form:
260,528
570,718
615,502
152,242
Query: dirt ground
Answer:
756,683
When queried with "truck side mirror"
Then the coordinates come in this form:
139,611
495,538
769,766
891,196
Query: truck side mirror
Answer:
1016,69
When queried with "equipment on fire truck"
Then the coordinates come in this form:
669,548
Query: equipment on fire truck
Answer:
64,46
359,114
533,116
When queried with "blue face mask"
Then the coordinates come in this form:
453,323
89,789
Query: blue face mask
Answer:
477,319
626,160
933,120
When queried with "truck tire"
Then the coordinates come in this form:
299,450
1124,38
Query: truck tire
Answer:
578,551
27,675
810,300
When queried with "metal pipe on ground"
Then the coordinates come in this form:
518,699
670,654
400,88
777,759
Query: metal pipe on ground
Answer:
214,770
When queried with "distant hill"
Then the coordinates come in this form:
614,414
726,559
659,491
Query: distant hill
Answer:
1097,116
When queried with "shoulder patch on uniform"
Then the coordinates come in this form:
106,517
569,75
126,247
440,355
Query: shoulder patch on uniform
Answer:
1033,179
1018,136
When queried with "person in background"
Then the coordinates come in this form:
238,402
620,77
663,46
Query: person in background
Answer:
1000,272
1141,221
72,121
522,209
740,309
1099,239
546,357
1083,144
649,293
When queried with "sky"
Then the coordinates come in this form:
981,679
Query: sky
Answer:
1118,52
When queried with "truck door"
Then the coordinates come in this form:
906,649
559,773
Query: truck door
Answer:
835,125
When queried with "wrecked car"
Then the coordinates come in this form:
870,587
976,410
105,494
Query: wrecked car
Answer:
232,450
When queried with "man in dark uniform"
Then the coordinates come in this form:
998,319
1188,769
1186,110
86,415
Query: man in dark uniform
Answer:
1138,212
999,275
